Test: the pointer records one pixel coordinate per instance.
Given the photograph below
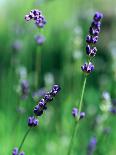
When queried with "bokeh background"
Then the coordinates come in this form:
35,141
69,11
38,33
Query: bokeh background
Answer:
59,60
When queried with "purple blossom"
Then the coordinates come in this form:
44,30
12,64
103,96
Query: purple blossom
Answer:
82,115
87,67
91,146
75,112
40,39
32,121
16,152
37,16
48,97
92,38
24,88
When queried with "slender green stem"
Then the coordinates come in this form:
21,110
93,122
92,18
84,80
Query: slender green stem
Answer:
82,94
76,126
23,140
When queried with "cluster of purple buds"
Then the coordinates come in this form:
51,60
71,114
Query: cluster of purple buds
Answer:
92,38
91,146
32,121
42,105
40,39
16,152
87,67
37,16
24,88
48,97
75,113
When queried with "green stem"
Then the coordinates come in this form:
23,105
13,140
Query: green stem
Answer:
76,126
23,140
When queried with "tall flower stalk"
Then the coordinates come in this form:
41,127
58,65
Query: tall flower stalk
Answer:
38,111
87,68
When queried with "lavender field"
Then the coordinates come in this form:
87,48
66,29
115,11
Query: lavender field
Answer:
58,77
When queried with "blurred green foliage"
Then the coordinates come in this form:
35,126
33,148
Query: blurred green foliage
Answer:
61,56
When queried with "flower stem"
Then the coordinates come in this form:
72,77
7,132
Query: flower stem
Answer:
76,126
23,140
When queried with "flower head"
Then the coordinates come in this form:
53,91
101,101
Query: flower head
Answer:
32,121
92,38
16,152
37,16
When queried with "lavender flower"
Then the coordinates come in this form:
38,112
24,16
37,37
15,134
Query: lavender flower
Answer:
48,97
16,152
32,121
24,88
82,115
37,16
91,146
92,38
40,39
75,113
87,67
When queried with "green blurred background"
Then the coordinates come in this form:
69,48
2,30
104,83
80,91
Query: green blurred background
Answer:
59,61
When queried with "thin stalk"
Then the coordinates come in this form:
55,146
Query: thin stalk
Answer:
23,140
76,126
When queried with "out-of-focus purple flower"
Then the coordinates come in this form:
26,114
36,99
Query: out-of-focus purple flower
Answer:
91,146
40,39
32,121
37,16
24,88
82,115
15,151
21,153
87,68
74,112
16,46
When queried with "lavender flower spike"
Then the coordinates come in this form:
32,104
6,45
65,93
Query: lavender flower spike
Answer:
16,152
92,38
37,16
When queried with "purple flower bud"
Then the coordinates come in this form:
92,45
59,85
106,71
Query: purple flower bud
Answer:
87,68
91,146
98,16
27,17
24,88
32,121
40,39
95,24
15,151
75,112
21,153
48,97
55,90
91,51
38,110
82,115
